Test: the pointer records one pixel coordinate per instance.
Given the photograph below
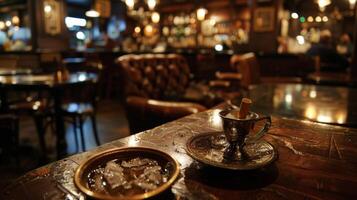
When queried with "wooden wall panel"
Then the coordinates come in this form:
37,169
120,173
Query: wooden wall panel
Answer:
45,41
265,41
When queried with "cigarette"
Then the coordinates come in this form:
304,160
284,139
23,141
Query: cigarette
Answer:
244,108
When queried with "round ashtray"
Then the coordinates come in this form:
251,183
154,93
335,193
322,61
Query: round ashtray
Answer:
209,148
96,178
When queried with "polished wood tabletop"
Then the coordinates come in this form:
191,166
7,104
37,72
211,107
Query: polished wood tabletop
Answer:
316,161
325,104
11,72
40,80
331,78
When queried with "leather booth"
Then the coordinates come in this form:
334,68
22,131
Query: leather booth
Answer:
246,71
158,89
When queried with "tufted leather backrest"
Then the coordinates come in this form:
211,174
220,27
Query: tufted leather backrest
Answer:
156,76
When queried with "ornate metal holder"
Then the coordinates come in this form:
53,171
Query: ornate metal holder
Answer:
237,132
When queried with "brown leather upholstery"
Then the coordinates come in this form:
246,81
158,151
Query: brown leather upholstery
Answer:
155,85
164,108
144,113
247,65
249,69
155,76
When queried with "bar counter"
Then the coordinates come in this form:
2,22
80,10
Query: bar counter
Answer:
316,161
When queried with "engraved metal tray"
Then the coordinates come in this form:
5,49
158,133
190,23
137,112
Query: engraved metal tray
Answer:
209,149
82,172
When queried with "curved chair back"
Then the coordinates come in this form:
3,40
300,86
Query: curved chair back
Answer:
156,76
248,66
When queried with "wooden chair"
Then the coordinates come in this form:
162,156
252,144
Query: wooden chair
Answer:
37,106
248,68
246,72
80,101
155,86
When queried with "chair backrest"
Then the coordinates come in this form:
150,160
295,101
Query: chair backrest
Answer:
82,92
157,76
248,66
87,91
82,65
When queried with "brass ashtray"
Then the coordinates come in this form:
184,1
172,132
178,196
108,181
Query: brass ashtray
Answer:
127,173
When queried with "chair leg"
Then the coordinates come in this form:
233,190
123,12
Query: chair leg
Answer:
41,133
17,140
95,130
75,133
52,126
82,133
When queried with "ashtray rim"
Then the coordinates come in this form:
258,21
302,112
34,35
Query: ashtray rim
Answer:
222,166
81,169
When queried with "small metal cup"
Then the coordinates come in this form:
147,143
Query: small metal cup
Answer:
236,131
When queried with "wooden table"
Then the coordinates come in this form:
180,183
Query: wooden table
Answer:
12,72
325,104
316,161
331,78
51,84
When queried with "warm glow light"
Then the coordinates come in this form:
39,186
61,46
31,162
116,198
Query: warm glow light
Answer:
8,23
341,118
92,13
325,19
155,17
324,118
137,29
212,22
74,21
151,4
288,98
352,4
148,30
323,3
218,47
313,94
130,3
201,13
318,19
15,20
300,39
36,105
47,8
310,19
2,25
310,112
80,35
165,31
294,15
132,141
215,120
340,121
